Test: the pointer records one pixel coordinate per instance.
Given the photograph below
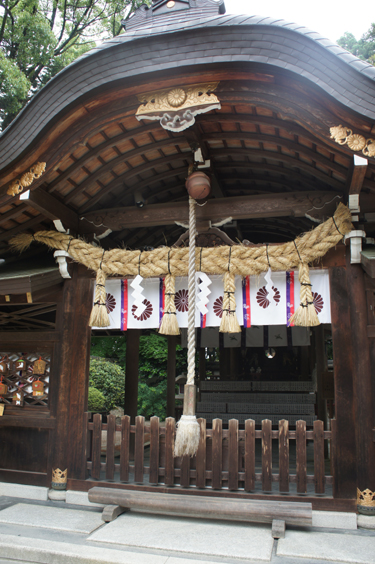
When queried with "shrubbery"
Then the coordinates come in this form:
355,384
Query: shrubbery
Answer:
96,401
109,379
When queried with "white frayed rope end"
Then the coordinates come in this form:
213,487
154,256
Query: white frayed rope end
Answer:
187,436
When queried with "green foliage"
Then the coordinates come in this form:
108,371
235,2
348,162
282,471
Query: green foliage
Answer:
39,38
153,355
109,379
363,48
152,400
96,400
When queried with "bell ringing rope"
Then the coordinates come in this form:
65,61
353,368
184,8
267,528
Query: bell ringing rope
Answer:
188,429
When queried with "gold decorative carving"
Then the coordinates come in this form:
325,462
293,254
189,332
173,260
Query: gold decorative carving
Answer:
176,97
175,108
356,142
26,179
59,479
366,498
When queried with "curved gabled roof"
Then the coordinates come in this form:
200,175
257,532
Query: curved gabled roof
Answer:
191,42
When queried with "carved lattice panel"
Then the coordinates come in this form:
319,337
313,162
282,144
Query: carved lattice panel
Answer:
21,381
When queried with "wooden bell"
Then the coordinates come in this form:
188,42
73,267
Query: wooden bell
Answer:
39,366
38,388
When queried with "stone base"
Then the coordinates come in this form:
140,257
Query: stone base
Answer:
366,521
56,495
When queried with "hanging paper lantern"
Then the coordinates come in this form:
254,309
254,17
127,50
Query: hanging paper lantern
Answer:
198,185
39,366
38,388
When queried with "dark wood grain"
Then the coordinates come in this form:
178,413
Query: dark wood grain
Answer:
125,448
267,455
217,453
233,455
319,457
344,442
139,449
201,456
185,471
131,378
96,446
169,451
249,455
154,450
110,457
301,456
284,456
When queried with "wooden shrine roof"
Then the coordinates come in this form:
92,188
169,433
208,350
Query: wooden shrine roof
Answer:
281,88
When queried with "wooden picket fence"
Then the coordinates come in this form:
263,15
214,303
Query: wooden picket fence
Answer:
226,458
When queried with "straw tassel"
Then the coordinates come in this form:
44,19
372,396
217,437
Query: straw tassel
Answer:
99,315
188,429
229,322
169,323
305,315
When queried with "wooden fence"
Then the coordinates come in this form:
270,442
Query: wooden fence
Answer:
233,458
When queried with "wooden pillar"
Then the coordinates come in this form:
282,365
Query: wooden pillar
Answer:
171,375
320,371
131,373
361,382
73,357
345,470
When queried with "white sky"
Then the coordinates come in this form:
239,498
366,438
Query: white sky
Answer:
330,18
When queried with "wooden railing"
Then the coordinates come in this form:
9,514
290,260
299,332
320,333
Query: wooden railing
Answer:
234,459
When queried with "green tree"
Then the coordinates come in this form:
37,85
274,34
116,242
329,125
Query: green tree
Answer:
363,48
38,38
109,379
96,400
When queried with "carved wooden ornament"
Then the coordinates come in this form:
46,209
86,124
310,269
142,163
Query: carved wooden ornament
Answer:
177,107
17,186
356,142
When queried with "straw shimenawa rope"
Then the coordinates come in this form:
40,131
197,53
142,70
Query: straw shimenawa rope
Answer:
244,261
169,323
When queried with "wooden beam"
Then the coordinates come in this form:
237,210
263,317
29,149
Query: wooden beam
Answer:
51,207
356,176
240,207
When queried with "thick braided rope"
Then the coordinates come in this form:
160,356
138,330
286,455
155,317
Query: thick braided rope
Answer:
191,294
245,261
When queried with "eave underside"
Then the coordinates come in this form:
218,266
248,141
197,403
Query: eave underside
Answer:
270,138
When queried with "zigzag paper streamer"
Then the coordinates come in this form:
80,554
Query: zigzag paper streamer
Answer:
268,279
204,291
138,296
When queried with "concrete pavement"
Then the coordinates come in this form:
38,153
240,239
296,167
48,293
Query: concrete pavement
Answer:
59,532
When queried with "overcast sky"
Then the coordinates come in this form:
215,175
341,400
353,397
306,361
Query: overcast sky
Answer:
330,18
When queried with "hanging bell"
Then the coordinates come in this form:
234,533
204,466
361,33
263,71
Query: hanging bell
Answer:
198,185
38,388
39,366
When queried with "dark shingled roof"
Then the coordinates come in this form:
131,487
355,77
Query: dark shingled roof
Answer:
180,40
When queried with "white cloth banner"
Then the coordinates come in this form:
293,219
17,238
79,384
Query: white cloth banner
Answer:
254,303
